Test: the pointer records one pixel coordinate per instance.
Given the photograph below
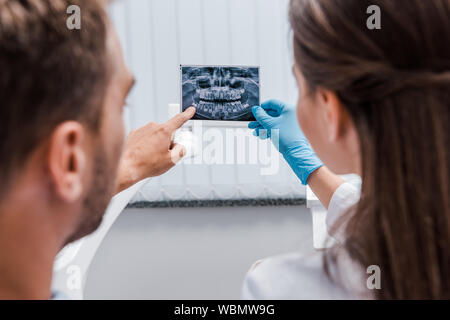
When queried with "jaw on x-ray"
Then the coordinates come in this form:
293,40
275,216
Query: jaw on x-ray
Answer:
220,92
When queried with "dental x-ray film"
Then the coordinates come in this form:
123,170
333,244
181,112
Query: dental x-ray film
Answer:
223,93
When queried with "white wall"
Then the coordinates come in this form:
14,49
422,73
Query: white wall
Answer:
159,35
192,253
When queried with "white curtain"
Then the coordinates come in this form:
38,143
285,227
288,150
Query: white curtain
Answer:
159,35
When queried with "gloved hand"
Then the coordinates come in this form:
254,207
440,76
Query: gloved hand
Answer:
280,123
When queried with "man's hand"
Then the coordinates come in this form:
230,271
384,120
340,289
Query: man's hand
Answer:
150,151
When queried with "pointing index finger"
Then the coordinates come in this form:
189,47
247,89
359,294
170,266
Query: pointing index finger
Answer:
180,119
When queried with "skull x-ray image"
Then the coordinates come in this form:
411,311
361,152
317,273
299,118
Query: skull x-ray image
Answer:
225,93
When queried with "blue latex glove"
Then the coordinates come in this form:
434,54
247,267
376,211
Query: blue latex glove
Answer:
288,139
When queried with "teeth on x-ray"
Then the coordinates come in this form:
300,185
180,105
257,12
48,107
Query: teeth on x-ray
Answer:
220,93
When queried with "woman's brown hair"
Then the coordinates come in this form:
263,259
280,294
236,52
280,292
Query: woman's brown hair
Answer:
395,84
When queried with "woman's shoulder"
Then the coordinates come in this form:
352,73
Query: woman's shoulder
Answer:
291,276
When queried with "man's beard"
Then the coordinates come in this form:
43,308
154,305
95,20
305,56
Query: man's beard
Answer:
97,199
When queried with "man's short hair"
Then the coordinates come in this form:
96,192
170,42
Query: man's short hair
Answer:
48,73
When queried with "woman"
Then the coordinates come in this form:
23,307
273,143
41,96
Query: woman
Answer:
375,103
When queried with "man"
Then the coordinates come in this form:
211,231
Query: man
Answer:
61,136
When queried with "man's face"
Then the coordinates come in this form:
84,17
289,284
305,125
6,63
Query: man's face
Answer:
108,145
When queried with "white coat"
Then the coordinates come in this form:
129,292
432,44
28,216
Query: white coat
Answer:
296,276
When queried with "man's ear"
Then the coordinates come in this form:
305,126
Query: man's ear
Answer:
67,160
334,114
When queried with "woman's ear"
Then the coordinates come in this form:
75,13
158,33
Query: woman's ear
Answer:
67,160
334,115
